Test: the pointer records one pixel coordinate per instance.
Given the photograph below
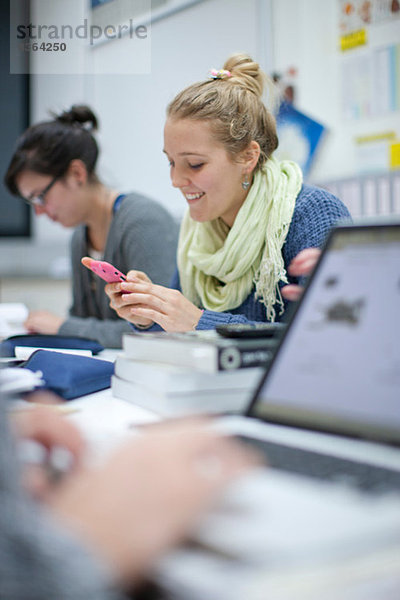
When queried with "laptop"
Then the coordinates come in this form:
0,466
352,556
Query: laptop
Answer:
332,389
326,415
337,369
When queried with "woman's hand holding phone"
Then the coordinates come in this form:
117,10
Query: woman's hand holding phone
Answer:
123,299
136,299
143,303
113,277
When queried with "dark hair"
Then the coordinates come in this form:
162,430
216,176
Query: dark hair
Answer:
50,146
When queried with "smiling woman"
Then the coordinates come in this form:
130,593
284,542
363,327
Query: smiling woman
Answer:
54,170
248,215
196,165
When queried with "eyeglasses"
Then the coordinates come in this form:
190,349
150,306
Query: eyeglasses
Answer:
39,199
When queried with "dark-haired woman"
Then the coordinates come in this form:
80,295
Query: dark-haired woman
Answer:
53,168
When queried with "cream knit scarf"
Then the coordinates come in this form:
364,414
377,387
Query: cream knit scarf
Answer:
218,266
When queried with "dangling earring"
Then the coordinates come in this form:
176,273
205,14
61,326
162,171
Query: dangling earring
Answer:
246,183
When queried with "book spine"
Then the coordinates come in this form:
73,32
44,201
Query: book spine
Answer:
217,401
235,357
207,358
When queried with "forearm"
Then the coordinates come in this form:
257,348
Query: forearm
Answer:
210,319
39,558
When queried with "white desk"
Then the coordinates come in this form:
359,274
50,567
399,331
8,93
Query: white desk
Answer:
290,543
101,415
106,421
317,550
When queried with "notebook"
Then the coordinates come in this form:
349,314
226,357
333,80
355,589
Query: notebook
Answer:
326,414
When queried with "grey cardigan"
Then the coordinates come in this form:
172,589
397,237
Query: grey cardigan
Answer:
38,557
142,236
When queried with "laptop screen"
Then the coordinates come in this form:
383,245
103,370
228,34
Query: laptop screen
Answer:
338,365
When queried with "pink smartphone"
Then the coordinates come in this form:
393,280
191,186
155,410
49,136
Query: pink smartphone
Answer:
103,269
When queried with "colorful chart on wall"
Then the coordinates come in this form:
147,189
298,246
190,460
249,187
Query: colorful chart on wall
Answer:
357,14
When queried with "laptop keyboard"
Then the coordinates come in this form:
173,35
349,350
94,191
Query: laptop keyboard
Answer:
368,478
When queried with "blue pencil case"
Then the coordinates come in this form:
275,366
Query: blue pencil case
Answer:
7,346
70,375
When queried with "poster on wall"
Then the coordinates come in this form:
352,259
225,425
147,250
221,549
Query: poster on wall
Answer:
355,15
371,83
370,80
299,136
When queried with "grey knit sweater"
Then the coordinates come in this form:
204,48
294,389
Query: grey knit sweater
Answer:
142,236
39,559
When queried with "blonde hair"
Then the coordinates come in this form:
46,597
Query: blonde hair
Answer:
232,104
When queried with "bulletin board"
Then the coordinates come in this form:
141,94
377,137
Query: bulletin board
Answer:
370,77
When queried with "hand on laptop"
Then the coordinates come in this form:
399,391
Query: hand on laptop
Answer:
146,497
302,265
44,434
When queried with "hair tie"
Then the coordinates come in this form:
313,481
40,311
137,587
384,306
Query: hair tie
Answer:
221,74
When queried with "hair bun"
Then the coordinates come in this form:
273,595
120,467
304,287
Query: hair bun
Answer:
79,114
246,72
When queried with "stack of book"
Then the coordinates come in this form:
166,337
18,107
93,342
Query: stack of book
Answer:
184,373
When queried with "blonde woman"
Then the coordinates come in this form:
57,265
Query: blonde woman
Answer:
248,215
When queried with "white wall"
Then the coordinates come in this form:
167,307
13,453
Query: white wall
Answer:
301,33
306,36
131,108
